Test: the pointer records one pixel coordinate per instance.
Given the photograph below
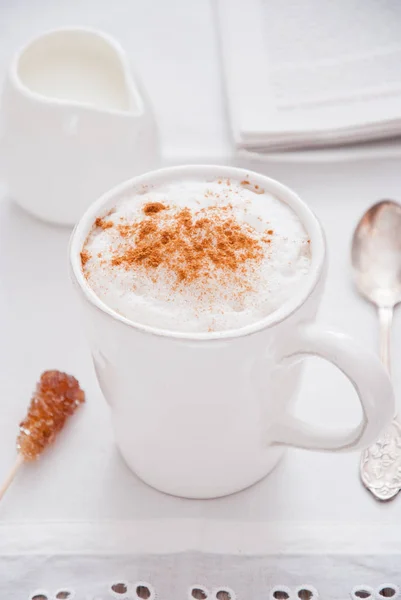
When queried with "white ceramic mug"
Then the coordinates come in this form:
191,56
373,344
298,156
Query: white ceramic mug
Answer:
203,415
75,121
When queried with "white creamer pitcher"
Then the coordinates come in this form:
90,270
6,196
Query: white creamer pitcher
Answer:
75,122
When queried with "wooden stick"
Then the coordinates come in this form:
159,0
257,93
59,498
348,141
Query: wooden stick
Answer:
11,475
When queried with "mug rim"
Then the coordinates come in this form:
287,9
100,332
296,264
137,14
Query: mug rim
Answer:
282,192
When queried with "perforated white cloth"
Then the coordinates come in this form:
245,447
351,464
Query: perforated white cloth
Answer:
154,559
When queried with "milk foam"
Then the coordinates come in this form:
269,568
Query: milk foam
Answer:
223,302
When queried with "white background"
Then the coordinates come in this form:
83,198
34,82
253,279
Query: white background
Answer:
174,47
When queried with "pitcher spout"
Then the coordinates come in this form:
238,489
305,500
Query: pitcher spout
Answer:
81,67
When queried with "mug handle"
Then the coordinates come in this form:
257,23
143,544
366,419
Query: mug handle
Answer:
366,373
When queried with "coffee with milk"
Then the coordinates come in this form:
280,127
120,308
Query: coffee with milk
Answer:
197,255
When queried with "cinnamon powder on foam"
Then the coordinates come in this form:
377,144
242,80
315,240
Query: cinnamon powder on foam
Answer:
194,246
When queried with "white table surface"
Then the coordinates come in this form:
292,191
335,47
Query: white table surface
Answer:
174,47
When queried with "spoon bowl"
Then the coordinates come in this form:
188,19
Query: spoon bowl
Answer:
376,254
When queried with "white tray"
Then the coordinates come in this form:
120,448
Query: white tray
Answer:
83,477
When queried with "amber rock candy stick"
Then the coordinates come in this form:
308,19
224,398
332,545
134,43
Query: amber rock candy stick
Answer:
57,396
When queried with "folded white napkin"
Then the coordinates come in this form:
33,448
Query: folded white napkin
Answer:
311,73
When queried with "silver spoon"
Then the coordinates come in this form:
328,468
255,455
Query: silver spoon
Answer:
376,262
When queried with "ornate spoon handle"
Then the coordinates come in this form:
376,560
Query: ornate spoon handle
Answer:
380,466
385,314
